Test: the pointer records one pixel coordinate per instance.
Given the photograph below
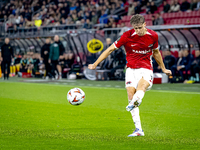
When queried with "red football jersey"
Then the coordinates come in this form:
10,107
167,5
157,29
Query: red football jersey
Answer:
139,49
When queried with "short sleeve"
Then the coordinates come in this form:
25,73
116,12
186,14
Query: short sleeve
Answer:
120,41
155,45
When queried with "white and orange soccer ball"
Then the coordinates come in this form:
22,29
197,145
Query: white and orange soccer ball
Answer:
76,96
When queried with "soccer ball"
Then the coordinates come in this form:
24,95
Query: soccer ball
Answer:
75,96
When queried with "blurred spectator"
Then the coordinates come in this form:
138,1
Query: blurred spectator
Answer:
193,5
153,7
87,24
195,67
178,62
198,5
69,59
113,7
100,3
153,20
107,11
126,4
94,18
36,62
137,7
74,17
23,63
148,8
169,60
144,3
103,18
27,15
131,9
80,15
174,7
63,14
117,61
66,8
7,55
158,20
105,64
166,7
87,16
15,29
183,65
17,19
16,62
38,21
90,58
54,55
124,28
45,56
156,67
63,21
185,5
73,7
1,16
30,62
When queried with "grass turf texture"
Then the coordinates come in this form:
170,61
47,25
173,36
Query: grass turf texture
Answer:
38,116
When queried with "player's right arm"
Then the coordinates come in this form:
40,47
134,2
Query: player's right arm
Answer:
117,44
103,56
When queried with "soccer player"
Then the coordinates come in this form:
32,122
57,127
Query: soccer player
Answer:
140,44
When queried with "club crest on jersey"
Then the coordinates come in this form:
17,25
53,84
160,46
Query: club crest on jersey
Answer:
150,45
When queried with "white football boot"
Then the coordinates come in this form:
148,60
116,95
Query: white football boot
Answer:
137,132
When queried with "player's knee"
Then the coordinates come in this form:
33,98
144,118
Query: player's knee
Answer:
143,87
130,95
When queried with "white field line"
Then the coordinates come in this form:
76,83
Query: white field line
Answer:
55,84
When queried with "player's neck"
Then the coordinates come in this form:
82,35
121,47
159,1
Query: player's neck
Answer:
145,31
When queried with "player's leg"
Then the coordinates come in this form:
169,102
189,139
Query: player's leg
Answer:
139,94
131,84
145,78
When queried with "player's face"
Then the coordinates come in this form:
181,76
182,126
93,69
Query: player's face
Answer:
140,29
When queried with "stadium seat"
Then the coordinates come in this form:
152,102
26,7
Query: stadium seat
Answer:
175,53
164,15
148,17
149,23
193,53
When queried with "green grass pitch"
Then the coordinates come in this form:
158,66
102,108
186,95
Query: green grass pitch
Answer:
38,116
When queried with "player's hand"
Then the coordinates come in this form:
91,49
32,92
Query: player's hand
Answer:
92,66
167,72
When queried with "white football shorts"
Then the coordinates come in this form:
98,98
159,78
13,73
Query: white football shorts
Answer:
133,76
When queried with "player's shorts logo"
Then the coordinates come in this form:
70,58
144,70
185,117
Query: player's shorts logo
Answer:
129,82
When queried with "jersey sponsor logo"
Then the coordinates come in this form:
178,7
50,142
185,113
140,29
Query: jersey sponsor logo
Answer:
142,52
134,45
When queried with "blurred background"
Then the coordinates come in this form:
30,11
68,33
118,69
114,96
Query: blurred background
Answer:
85,28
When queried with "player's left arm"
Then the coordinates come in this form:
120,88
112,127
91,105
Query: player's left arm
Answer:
159,60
